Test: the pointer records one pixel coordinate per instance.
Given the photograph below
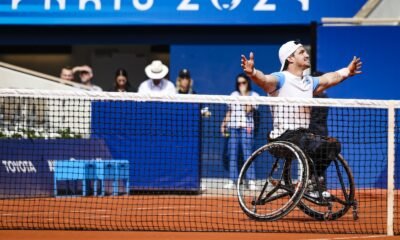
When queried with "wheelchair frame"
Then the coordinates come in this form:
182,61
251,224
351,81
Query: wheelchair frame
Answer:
319,207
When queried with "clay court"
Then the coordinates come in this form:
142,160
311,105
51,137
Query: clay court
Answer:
87,235
170,216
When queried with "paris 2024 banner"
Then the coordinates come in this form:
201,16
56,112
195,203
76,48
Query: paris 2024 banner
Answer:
173,12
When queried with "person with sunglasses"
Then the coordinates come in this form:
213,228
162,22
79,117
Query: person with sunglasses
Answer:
291,123
238,126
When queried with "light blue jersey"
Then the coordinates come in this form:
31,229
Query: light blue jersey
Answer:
291,117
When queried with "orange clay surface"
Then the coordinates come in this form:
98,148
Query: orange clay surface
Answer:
97,235
166,216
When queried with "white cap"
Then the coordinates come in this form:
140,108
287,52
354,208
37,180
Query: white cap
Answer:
286,50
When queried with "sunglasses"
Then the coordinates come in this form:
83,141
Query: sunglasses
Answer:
242,83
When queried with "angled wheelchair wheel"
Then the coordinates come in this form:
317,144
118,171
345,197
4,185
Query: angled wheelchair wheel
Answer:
337,198
262,192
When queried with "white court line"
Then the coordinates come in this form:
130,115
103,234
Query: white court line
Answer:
26,213
345,238
158,208
89,210
190,213
93,217
107,210
47,213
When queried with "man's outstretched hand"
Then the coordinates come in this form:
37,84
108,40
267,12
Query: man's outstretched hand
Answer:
248,64
355,66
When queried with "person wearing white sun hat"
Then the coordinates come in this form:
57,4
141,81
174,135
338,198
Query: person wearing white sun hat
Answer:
157,83
291,123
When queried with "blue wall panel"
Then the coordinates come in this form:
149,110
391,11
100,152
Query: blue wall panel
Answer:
160,140
214,67
378,48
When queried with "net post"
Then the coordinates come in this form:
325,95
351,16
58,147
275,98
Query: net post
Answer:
390,169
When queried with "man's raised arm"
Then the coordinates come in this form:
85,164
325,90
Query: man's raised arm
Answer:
333,78
266,82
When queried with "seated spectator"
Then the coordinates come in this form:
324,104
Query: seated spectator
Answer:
184,83
67,73
86,76
121,83
156,73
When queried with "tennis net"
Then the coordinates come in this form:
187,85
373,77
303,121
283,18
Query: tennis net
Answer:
125,161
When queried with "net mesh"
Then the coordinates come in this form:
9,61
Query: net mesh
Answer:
111,161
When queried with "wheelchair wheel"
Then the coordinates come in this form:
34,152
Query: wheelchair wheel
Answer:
265,195
340,197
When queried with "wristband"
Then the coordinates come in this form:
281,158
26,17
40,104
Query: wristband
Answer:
344,72
253,74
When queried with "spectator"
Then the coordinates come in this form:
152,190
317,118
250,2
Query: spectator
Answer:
67,73
156,73
238,124
184,83
85,76
121,83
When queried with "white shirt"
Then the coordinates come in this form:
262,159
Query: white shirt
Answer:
165,87
95,88
291,117
239,118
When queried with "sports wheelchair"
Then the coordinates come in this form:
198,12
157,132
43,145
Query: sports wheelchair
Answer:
287,183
